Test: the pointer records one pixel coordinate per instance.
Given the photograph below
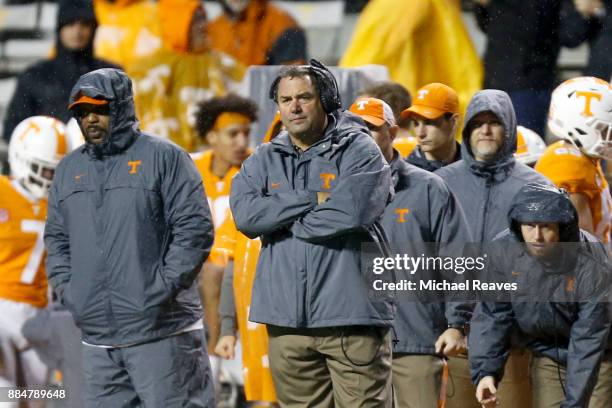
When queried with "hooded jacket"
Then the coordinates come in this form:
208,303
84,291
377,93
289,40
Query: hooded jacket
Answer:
309,269
262,34
417,158
484,190
433,215
170,82
128,228
44,88
573,334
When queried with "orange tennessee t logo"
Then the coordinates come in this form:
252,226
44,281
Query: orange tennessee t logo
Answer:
570,284
327,178
133,166
588,96
401,213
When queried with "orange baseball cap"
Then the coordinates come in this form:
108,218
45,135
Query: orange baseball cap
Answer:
374,111
87,100
432,101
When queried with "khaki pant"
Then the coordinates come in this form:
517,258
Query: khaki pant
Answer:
547,389
602,393
417,380
514,390
331,367
461,393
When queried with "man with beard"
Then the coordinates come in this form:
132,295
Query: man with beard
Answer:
484,181
127,231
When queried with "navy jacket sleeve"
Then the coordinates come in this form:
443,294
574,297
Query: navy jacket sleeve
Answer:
189,220
489,339
258,212
358,200
57,244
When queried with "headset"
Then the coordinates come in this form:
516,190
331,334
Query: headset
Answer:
329,93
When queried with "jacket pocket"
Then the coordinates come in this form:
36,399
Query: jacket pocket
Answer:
73,191
322,175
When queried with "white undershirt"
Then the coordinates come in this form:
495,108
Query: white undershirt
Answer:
197,325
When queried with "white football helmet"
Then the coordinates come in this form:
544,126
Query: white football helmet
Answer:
581,113
529,146
74,135
37,145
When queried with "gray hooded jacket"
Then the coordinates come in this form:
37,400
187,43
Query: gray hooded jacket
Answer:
573,334
128,228
485,190
434,215
309,269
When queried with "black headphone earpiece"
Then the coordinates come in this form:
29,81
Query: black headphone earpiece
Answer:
327,86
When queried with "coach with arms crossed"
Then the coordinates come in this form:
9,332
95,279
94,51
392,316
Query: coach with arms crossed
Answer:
314,194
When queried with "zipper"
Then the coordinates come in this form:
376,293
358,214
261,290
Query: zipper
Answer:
484,217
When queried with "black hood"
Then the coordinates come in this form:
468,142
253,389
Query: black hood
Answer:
68,12
114,86
540,203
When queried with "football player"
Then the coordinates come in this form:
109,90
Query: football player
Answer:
581,115
36,146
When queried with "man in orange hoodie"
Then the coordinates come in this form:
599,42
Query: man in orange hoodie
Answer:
256,32
183,72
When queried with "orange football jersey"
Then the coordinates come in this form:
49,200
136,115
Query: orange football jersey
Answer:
22,250
232,244
567,167
217,192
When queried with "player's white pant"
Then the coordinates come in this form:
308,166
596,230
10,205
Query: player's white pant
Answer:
19,364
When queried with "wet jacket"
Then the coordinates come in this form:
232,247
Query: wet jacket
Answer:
417,158
573,334
433,215
309,270
44,88
128,228
484,190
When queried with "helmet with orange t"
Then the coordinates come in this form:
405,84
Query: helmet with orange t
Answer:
529,146
581,113
74,135
37,145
